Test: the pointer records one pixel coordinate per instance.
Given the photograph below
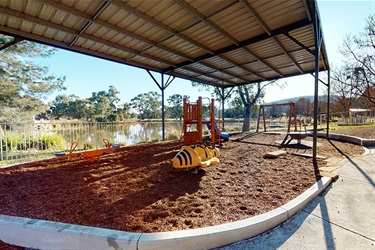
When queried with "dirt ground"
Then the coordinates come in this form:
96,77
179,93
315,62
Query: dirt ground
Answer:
136,188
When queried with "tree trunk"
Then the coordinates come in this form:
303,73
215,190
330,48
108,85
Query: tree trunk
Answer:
248,101
246,120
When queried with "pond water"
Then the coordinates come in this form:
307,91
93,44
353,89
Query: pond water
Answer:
127,133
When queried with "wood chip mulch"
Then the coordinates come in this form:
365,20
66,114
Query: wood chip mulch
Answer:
136,189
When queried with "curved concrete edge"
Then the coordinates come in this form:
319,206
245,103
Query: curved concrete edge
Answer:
348,138
41,234
367,151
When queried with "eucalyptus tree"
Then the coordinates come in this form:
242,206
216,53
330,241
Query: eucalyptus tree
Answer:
23,82
69,107
246,97
103,104
147,105
176,105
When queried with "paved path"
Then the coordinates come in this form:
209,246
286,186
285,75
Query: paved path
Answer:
342,217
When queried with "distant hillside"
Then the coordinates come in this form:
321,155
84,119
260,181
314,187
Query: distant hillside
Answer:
295,99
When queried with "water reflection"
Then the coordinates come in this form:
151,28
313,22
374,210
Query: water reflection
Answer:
128,133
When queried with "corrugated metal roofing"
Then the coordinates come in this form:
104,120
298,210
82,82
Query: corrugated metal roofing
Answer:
219,42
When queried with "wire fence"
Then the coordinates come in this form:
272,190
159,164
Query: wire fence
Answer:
26,142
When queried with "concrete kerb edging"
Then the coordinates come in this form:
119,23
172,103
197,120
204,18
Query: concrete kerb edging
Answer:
41,234
353,139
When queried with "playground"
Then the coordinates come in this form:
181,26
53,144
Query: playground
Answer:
136,189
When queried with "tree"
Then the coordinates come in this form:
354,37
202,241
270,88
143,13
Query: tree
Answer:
102,104
303,106
359,69
245,96
175,102
23,83
249,97
60,106
77,107
343,92
235,109
125,111
147,105
70,107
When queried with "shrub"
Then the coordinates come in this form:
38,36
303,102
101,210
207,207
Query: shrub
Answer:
20,141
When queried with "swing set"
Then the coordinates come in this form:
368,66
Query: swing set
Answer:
292,119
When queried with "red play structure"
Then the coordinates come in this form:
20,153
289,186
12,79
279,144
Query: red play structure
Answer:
193,123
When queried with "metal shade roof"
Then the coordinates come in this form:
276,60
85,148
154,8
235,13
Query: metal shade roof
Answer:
219,42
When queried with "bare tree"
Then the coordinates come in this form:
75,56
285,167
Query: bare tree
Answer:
359,69
303,106
344,92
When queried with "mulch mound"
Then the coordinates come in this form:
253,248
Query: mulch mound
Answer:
136,189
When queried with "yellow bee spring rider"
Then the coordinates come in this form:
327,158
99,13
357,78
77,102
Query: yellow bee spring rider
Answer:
201,155
197,157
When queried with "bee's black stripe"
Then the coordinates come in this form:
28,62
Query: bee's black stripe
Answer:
188,154
180,159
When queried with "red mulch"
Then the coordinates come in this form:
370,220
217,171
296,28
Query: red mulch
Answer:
136,189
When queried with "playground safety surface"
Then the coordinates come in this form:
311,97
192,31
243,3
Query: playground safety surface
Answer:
136,189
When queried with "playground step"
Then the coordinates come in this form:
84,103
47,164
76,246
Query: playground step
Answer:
274,154
310,156
328,174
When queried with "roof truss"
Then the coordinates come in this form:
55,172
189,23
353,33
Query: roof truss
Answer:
224,43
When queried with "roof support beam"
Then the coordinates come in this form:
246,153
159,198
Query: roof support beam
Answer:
209,74
88,23
269,31
127,7
243,67
256,16
228,36
320,80
15,41
162,86
299,43
95,20
262,61
207,21
188,7
223,71
87,36
62,45
244,43
281,46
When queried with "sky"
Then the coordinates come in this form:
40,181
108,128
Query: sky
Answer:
87,74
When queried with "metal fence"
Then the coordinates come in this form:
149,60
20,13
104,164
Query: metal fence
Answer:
356,121
25,142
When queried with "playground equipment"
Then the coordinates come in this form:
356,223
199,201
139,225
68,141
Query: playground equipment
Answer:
90,155
192,131
297,135
220,137
292,114
196,157
200,155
